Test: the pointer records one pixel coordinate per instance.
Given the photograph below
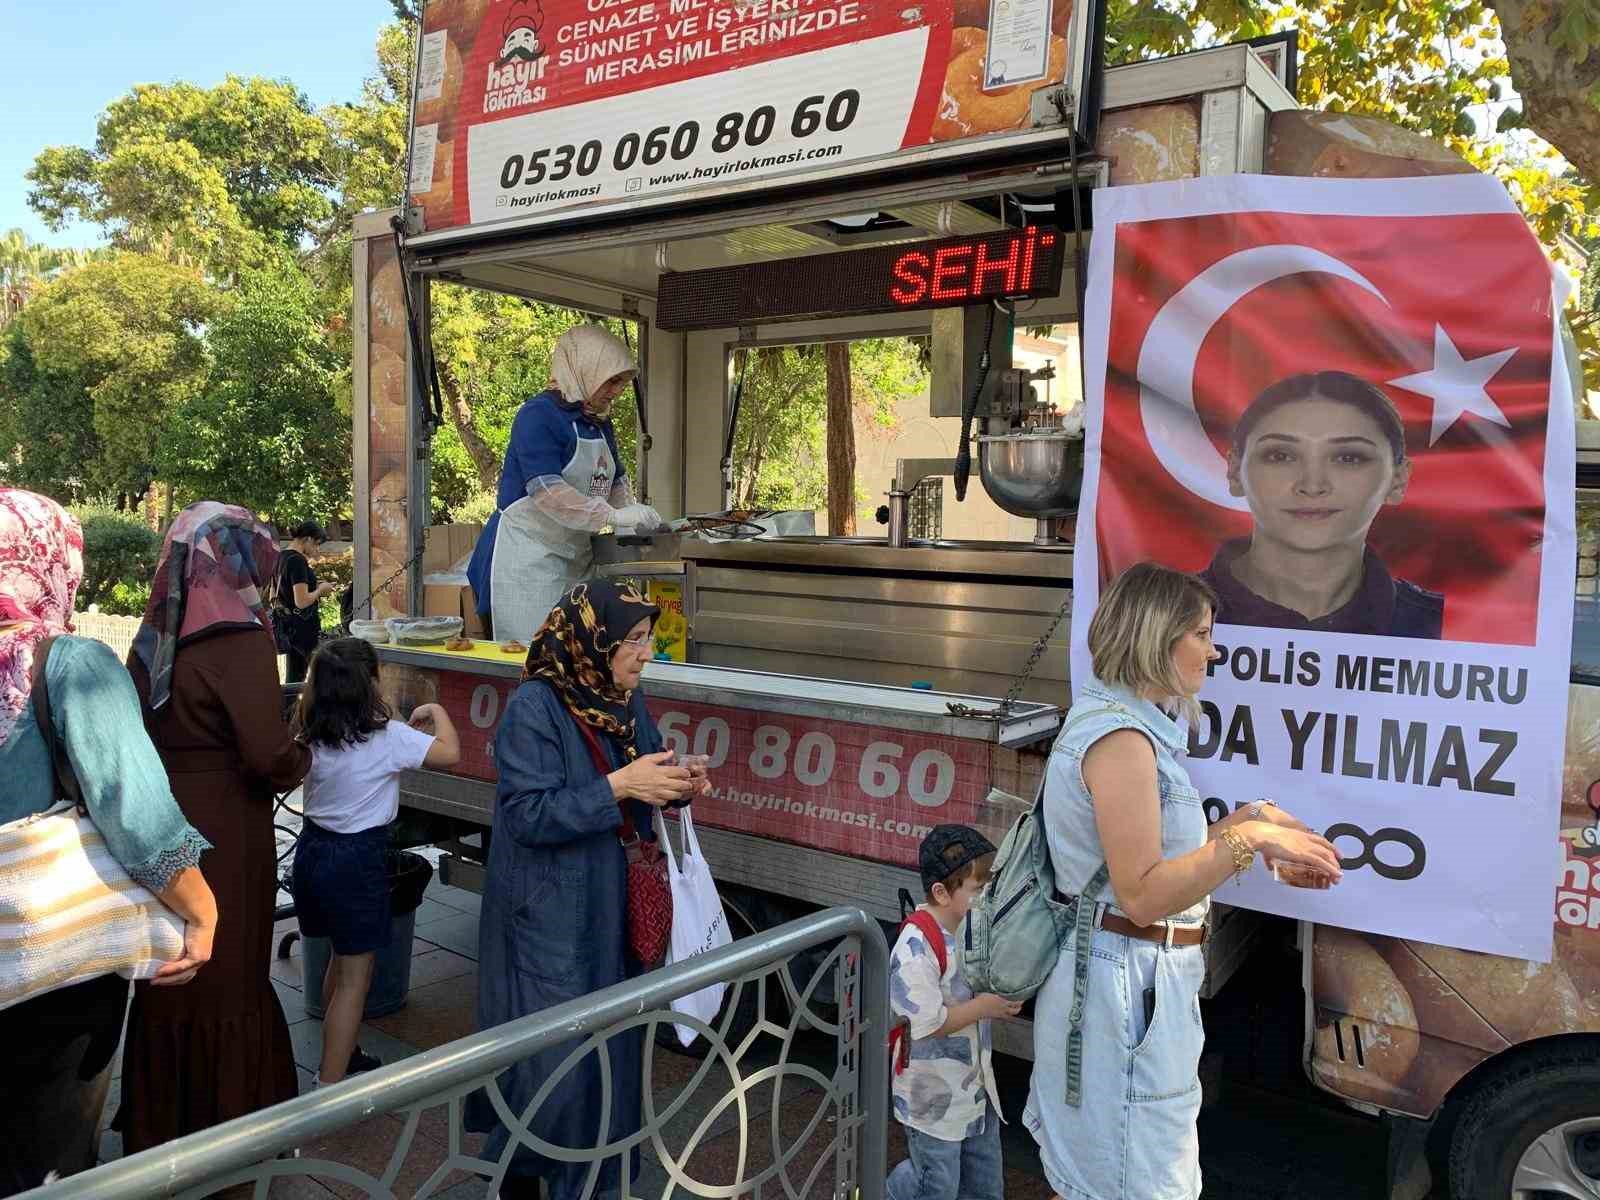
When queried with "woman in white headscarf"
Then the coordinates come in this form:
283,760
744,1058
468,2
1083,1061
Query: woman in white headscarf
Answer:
562,481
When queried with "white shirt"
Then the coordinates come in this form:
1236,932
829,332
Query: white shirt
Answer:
352,788
939,1093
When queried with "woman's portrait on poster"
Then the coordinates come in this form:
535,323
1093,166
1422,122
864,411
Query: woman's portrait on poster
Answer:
1316,457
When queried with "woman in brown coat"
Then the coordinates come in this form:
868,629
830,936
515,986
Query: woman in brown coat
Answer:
206,671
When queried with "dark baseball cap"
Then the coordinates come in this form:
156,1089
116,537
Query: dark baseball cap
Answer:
947,849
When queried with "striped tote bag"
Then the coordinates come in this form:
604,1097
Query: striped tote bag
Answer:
69,912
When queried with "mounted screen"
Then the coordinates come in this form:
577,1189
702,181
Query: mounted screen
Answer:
529,111
949,273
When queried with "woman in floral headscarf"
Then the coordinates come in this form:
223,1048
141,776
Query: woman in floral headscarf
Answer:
580,765
58,1046
206,670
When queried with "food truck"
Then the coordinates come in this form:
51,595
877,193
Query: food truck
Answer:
703,170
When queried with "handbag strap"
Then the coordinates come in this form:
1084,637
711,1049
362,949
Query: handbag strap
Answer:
64,781
602,764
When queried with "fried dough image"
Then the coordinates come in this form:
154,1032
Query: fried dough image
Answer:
438,200
976,14
463,18
1353,981
966,110
441,110
1519,999
1152,142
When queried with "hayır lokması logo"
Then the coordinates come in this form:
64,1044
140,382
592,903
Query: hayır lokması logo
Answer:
512,77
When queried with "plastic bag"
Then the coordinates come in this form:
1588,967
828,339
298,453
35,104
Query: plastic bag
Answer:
456,576
418,631
698,922
376,632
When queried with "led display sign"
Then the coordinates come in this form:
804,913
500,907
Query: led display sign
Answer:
1016,264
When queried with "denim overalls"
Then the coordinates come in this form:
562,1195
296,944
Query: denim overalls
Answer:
1131,1135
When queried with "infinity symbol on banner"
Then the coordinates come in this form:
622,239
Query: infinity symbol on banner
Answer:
1215,810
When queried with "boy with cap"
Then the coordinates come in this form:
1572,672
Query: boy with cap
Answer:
944,1089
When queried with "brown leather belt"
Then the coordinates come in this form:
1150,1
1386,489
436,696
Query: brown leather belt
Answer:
1166,932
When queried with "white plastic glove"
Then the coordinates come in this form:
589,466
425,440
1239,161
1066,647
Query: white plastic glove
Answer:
566,506
639,516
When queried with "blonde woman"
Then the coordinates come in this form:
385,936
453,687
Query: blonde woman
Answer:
1117,1032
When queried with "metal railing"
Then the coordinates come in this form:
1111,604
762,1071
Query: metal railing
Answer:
851,1119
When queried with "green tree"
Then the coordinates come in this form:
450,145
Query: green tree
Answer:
119,340
209,176
120,554
265,430
1432,66
48,441
25,265
780,443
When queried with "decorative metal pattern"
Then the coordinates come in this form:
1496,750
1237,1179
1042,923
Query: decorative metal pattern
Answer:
845,997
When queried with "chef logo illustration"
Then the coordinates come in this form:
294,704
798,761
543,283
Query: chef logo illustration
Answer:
600,481
1587,840
521,33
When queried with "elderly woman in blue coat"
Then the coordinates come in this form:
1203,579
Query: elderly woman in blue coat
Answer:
581,766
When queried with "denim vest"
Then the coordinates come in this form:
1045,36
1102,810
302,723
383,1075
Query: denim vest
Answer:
1074,838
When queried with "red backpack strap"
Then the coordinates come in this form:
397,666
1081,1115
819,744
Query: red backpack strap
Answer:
900,1035
934,932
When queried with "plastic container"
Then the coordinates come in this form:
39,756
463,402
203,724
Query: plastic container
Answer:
423,631
409,876
376,632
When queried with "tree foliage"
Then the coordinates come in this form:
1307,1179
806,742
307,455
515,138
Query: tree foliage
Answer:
265,430
214,177
120,553
1436,67
779,447
126,335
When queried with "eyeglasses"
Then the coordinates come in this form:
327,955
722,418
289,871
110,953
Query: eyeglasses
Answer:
638,643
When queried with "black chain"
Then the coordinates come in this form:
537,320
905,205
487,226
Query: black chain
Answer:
1005,706
366,604
999,713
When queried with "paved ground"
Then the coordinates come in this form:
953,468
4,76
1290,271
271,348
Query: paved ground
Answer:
1266,1136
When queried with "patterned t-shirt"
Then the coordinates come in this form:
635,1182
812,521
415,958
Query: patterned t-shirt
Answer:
942,1090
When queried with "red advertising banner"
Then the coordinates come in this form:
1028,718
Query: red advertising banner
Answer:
528,108
831,785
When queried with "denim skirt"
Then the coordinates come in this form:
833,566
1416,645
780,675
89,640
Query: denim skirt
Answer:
341,889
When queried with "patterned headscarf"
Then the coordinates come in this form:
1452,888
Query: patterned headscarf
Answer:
573,648
213,565
41,567
584,358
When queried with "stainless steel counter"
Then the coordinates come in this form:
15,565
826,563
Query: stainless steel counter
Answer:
983,559
961,616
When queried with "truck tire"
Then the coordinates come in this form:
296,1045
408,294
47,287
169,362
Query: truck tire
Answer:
1533,1131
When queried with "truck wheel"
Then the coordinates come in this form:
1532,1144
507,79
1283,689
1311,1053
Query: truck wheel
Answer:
1533,1132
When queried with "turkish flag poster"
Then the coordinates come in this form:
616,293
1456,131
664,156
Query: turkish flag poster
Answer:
1344,406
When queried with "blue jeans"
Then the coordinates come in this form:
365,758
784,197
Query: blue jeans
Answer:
941,1170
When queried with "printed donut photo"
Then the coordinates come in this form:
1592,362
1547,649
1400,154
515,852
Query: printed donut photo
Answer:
975,14
966,109
462,18
437,201
441,109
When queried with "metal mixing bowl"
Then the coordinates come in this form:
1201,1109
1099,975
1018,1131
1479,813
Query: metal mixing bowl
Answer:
1032,474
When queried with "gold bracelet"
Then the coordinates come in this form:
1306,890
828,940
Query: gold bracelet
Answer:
1243,856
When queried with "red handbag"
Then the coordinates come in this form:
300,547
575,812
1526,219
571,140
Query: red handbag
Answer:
649,889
